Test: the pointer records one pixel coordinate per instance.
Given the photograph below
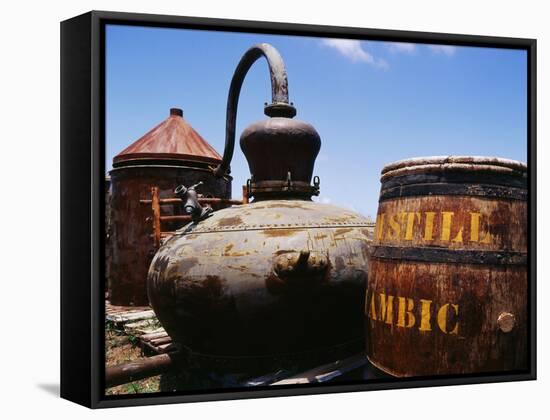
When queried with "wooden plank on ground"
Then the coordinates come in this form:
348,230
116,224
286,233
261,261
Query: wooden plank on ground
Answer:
131,316
157,342
158,333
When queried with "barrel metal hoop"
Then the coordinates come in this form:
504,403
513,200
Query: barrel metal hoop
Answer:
444,255
457,168
472,178
448,162
475,190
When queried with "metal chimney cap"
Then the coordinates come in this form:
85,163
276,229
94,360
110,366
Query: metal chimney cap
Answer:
176,111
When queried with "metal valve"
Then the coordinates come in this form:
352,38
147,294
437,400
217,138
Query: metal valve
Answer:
191,204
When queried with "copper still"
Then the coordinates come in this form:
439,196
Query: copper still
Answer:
276,283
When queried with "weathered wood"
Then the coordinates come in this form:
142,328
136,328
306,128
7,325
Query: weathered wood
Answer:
140,327
447,285
165,348
153,335
140,369
114,309
130,316
155,207
245,194
161,340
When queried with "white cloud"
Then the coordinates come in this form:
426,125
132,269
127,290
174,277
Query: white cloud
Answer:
447,50
352,49
402,47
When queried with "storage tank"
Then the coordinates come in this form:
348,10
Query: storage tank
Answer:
108,242
172,152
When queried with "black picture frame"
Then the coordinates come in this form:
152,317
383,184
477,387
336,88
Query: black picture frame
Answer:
82,202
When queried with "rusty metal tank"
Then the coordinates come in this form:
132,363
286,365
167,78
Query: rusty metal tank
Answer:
170,152
107,237
276,283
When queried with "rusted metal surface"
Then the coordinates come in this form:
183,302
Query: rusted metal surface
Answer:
245,195
447,288
108,239
279,95
134,371
171,152
263,284
157,220
273,284
276,171
190,201
172,140
132,222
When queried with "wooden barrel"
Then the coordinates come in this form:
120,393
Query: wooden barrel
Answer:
447,286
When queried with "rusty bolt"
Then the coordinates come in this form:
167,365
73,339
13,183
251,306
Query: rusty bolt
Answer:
506,322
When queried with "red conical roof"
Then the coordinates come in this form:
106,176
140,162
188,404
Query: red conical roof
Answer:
173,139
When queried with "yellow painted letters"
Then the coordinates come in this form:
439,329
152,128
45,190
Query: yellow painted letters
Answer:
425,315
386,308
395,228
404,310
442,318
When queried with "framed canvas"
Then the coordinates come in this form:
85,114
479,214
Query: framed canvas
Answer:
375,229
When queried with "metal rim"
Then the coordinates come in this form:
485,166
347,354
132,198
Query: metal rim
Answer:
454,163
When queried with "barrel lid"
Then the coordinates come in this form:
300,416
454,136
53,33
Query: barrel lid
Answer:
454,164
172,140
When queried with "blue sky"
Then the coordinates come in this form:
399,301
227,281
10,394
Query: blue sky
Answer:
372,102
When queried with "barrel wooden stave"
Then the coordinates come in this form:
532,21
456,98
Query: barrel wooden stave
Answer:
481,294
457,252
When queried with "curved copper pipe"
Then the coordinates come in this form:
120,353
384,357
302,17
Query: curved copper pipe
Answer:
279,96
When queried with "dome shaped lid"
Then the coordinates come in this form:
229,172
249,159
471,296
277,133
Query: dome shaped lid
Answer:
280,217
446,164
172,140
